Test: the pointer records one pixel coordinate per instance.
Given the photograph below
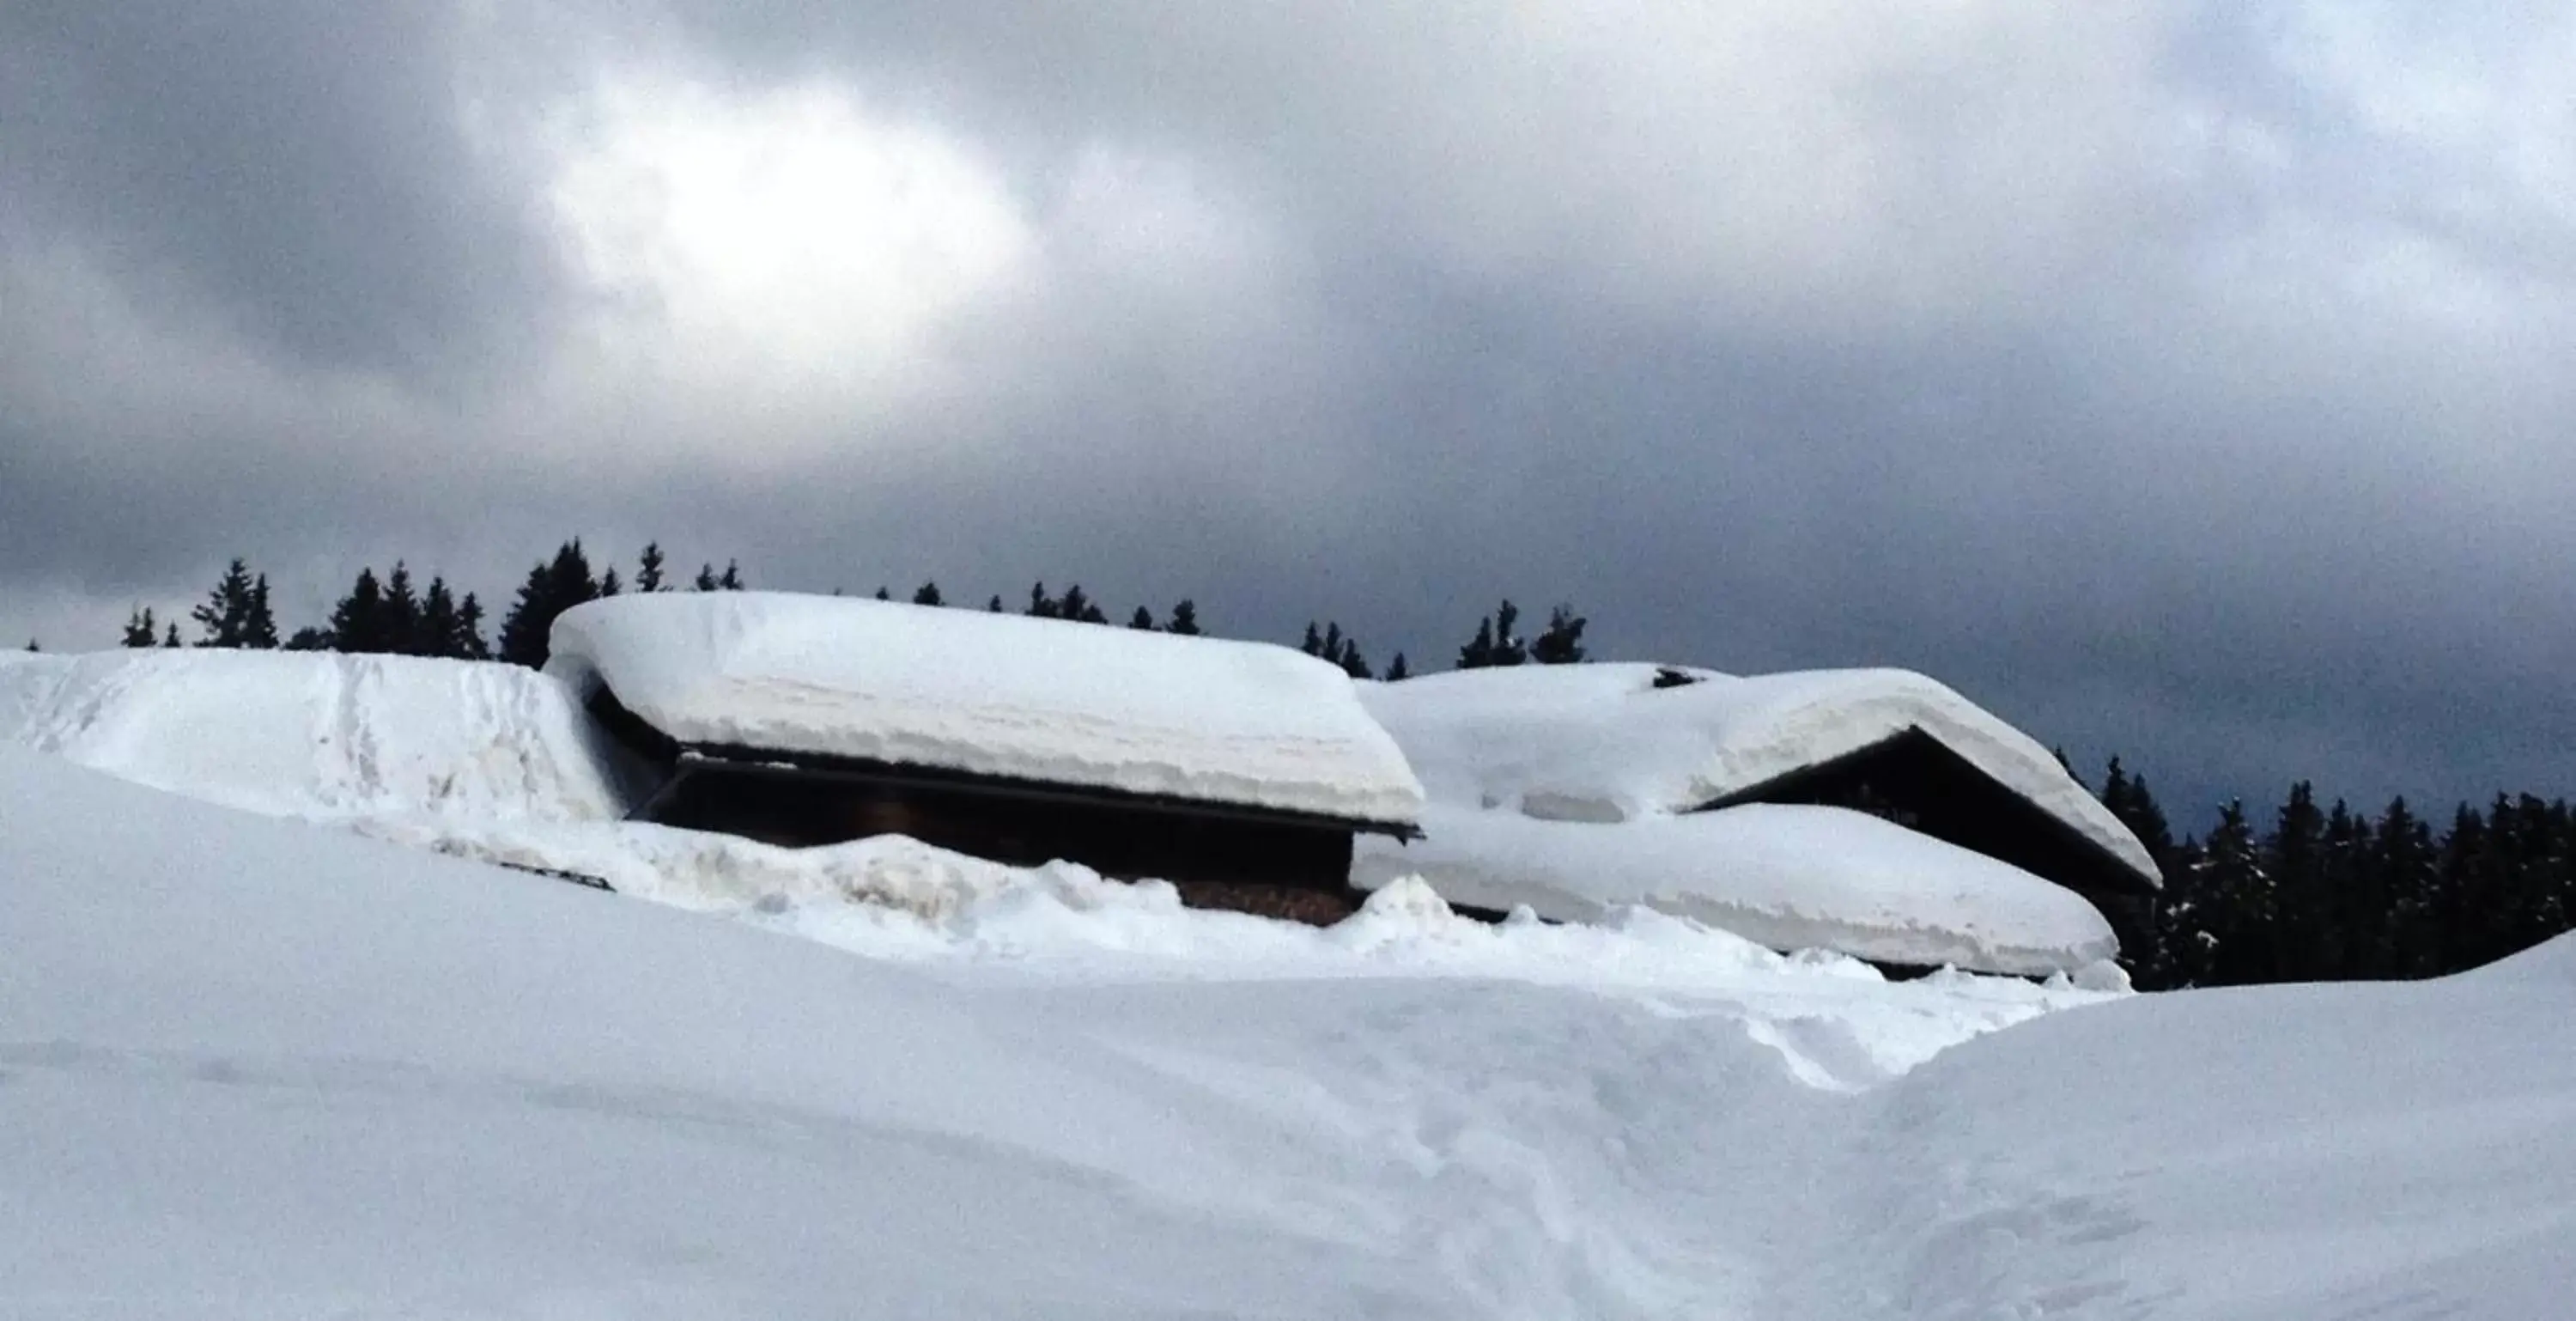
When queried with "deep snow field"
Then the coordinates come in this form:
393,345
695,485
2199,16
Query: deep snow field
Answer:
256,1068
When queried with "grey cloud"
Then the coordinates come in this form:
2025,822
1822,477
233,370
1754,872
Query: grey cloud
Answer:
2133,459
303,169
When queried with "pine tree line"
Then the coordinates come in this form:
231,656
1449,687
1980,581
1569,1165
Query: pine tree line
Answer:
390,615
2330,894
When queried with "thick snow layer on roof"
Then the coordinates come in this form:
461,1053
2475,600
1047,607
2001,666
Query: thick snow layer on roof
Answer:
319,735
1787,877
1603,743
964,690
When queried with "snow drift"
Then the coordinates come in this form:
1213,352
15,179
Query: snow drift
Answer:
990,694
321,735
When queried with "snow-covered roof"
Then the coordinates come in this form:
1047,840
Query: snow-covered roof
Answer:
1040,700
1790,877
1605,743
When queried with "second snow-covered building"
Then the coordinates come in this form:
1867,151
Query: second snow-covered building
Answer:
1223,767
1875,812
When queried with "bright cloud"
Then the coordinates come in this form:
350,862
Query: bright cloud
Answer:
782,243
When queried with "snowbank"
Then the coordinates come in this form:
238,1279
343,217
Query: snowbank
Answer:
320,735
1602,743
254,1069
2302,1153
1786,877
992,694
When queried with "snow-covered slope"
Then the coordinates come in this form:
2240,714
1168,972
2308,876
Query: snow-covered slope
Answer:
1602,743
2296,1153
320,735
1786,877
252,1069
993,694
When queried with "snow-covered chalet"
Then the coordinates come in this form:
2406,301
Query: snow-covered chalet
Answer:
1241,772
1874,811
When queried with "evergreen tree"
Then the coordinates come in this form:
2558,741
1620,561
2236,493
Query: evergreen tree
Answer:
435,633
1041,605
140,631
219,618
883,594
1562,642
1142,620
1185,618
1397,671
1509,648
707,580
995,605
731,579
236,612
1333,645
2349,906
2234,906
170,639
467,643
1496,644
259,631
309,638
1478,654
1079,608
2129,799
361,622
399,628
927,594
553,586
2402,856
608,583
648,572
2294,858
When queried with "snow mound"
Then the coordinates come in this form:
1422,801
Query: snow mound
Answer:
320,735
710,872
1604,743
1788,877
991,694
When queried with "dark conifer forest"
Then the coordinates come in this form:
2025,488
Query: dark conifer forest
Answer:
2299,891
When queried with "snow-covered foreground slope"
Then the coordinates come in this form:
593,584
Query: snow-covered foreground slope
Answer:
2308,1153
250,1068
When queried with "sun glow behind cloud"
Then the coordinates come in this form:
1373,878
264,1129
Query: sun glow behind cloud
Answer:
784,245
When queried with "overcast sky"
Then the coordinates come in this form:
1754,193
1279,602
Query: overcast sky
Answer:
2194,380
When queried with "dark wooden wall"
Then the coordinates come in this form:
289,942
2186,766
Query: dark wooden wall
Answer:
1917,782
1116,837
